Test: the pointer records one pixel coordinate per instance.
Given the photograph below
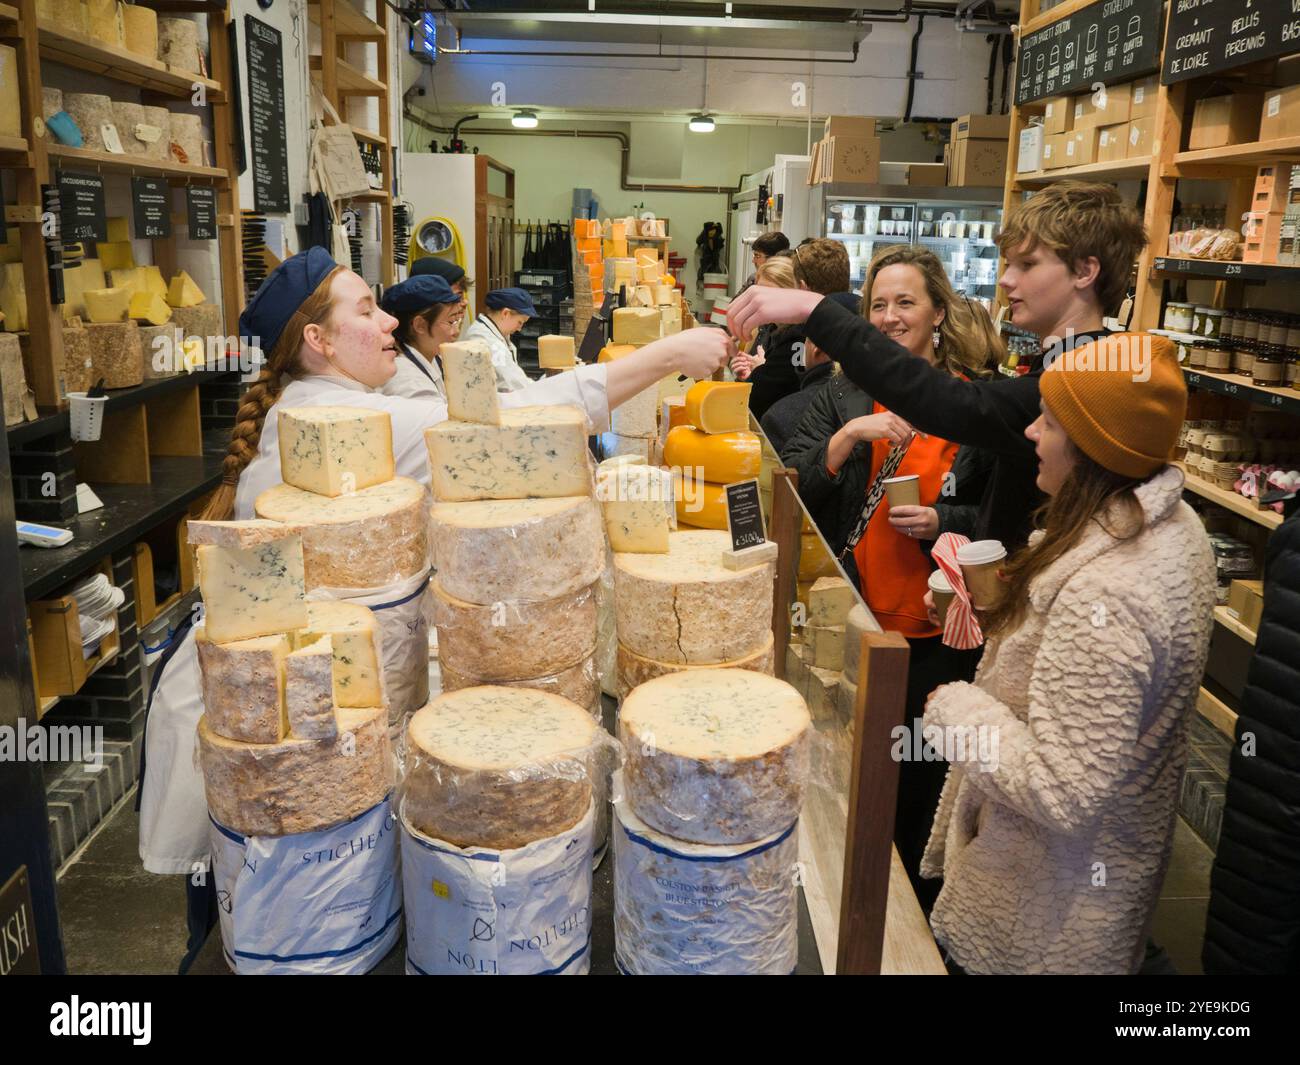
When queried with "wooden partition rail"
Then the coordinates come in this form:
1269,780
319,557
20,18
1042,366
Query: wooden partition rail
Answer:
787,519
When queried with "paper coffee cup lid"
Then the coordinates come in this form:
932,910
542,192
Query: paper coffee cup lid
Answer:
905,477
980,552
939,582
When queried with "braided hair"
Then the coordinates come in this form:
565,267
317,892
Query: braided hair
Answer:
262,394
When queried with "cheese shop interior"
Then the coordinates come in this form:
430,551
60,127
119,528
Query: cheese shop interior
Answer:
613,163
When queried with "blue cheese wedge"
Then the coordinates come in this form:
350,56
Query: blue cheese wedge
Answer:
638,506
251,577
534,452
243,686
373,537
490,550
633,669
309,691
498,767
355,649
715,755
335,450
471,382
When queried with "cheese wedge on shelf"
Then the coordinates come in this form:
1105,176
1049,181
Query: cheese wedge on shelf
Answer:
718,406
637,325
724,458
118,228
555,353
251,576
243,686
470,382
115,254
335,450
149,307
715,755
309,691
183,292
830,601
354,638
105,305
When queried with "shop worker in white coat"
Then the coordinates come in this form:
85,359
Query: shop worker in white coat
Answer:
327,343
508,311
428,314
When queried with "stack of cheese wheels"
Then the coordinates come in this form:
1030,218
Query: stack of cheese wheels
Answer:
518,544
715,771
285,684
684,609
714,448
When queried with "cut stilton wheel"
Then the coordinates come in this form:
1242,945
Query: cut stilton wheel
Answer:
514,638
579,684
297,785
715,755
309,691
638,416
498,767
243,686
355,645
471,382
686,606
634,669
637,504
532,549
535,451
251,577
368,539
333,451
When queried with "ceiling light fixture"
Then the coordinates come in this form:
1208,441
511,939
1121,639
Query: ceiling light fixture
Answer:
524,118
700,124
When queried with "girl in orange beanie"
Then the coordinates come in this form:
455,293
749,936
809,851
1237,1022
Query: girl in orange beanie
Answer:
1053,833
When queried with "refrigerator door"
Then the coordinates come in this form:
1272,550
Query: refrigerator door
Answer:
866,225
962,236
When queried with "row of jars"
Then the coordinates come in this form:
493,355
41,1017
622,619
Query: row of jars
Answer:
1261,345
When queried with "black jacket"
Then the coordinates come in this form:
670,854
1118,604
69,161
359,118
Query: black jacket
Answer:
777,377
990,414
1253,922
784,416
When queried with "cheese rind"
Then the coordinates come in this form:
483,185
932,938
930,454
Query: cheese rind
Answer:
498,767
700,504
633,669
637,325
724,457
367,539
254,590
686,606
333,451
513,639
555,352
309,691
471,382
490,550
637,416
244,686
534,452
297,785
827,642
715,755
579,684
354,636
718,406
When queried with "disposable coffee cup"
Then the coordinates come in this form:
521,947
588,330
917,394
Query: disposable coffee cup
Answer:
903,491
943,594
980,563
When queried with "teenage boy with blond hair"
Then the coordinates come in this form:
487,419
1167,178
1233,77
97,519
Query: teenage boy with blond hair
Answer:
1069,253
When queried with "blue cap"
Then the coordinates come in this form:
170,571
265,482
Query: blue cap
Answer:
278,298
515,299
416,294
436,264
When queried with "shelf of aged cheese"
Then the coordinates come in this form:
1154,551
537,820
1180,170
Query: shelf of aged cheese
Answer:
349,23
1217,712
121,64
1244,156
128,512
1120,170
1223,616
351,81
1233,271
134,164
1238,386
1232,501
54,421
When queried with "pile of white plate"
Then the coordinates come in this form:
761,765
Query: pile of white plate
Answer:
97,602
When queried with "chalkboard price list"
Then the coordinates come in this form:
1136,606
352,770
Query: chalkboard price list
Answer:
265,56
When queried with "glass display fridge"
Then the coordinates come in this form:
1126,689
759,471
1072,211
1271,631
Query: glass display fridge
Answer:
958,225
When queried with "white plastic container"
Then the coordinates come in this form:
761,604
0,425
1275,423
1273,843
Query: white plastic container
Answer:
86,415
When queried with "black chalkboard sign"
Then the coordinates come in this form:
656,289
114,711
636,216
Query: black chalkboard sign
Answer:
1211,36
265,57
745,515
1109,42
201,212
81,206
151,200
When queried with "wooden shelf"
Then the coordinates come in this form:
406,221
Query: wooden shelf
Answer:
349,23
1223,270
1244,156
1238,386
134,164
351,81
1217,713
1223,617
369,136
1135,168
13,144
46,703
1238,504
120,64
8,13
379,196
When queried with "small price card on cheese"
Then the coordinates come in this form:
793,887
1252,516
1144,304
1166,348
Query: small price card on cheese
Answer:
745,515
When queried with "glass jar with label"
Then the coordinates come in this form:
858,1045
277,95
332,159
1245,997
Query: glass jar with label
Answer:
1192,355
1209,322
1178,317
1269,370
1228,331
1216,359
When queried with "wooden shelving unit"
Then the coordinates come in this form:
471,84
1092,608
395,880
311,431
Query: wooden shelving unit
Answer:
1232,501
1137,167
120,64
1223,616
341,81
111,163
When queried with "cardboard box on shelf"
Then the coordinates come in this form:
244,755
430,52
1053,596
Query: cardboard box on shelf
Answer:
1081,146
982,127
851,159
848,126
1141,132
1280,114
1142,96
1054,151
1262,237
1112,143
1029,158
978,162
1218,121
1058,115
927,174
1273,186
1246,601
1107,107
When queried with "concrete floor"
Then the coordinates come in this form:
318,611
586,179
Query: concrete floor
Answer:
119,919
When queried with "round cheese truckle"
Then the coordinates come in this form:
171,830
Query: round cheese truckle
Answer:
490,550
634,669
579,684
715,755
498,767
686,606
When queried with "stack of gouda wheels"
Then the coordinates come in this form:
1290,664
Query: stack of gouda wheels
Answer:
711,449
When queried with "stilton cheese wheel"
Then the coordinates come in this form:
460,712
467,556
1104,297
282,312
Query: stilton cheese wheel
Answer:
634,669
